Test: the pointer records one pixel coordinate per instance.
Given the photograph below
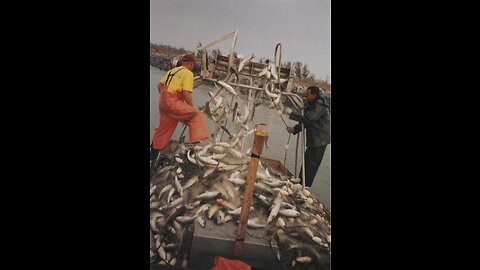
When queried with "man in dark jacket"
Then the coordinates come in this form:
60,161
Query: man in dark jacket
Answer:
316,120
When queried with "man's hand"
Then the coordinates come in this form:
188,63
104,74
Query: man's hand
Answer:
287,110
289,129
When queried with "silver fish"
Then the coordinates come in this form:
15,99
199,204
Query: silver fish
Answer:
152,189
207,160
267,91
226,168
317,240
304,259
190,182
223,144
170,193
162,253
178,186
174,203
208,195
262,187
289,213
203,208
237,181
276,207
191,159
275,184
165,188
220,217
228,218
153,225
273,70
264,72
186,219
227,87
284,192
201,221
245,62
280,222
307,231
253,223
237,211
213,210
208,171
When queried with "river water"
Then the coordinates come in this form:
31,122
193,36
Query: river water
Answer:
277,134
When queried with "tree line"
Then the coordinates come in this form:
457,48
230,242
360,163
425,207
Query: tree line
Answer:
161,56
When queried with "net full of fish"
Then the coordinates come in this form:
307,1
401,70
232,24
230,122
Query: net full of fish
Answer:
207,181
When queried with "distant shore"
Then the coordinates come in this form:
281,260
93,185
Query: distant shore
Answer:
161,61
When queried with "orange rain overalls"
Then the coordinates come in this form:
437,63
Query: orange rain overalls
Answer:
173,109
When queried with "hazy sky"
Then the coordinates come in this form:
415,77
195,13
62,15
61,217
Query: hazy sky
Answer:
301,26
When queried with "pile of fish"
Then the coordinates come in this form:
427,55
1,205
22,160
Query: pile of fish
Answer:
207,181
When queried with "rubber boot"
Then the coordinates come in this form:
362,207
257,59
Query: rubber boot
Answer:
153,154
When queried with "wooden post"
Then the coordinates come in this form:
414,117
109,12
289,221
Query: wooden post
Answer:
261,134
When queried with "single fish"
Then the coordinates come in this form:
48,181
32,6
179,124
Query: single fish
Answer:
190,158
276,207
178,186
208,171
264,72
277,101
152,189
245,62
267,91
185,219
280,222
207,160
253,223
275,184
212,210
317,240
174,203
227,87
208,195
304,259
237,181
237,211
219,217
154,226
273,70
162,253
201,221
170,193
228,218
190,182
289,213
203,208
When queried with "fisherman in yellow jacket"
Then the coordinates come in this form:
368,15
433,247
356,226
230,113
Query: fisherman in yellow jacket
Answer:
176,105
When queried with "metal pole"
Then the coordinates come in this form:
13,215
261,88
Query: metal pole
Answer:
296,155
303,155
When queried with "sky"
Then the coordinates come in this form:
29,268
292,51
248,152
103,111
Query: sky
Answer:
302,27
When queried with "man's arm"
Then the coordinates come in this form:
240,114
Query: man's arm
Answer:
188,97
159,87
311,116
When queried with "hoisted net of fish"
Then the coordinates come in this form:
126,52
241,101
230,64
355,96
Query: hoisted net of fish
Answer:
208,182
